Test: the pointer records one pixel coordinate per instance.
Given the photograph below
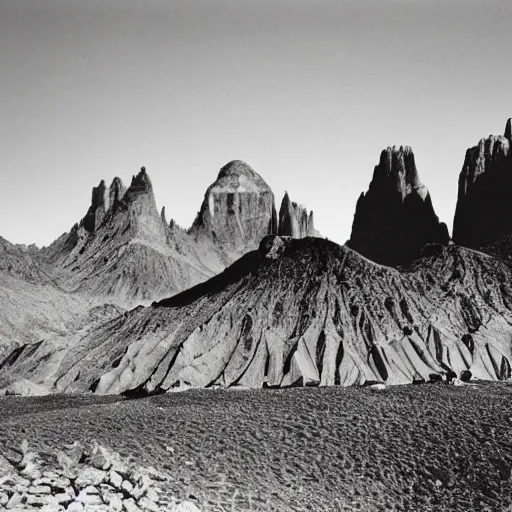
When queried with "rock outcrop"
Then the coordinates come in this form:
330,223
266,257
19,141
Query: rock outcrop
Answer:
484,210
238,210
294,220
395,219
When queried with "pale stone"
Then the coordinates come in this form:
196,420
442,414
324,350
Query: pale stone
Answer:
130,505
76,506
115,479
90,476
39,489
186,506
14,500
146,504
127,486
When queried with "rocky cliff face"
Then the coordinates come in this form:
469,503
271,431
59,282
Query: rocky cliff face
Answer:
305,312
238,210
484,211
395,219
294,220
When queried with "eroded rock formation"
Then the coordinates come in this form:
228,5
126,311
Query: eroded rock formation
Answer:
395,219
238,210
484,208
294,220
305,312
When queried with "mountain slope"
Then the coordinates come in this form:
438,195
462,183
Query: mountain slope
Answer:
307,311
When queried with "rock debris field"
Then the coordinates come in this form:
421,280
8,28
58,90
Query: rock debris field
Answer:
429,447
77,479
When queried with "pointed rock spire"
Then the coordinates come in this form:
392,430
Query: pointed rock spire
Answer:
395,219
99,205
508,130
141,182
116,192
484,208
294,220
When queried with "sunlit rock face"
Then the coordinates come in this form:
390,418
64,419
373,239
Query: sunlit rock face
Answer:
238,210
484,207
294,220
395,219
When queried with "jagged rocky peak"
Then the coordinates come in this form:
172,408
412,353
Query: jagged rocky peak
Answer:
238,209
294,219
102,199
141,184
116,192
483,214
395,219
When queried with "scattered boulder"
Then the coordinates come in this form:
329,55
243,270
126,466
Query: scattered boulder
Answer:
435,378
465,376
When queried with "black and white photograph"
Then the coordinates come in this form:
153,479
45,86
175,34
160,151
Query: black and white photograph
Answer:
256,255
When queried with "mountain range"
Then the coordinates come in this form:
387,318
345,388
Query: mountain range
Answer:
129,302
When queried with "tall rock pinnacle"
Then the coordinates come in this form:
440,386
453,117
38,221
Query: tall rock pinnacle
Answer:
294,220
484,203
395,218
238,210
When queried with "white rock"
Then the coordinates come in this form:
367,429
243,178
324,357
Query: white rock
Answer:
146,504
76,506
127,486
186,506
115,502
378,387
116,479
4,498
152,495
130,505
90,476
64,497
39,489
14,501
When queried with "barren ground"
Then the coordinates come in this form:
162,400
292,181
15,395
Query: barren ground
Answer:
407,448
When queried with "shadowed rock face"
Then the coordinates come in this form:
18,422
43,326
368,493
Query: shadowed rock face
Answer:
294,220
395,219
484,208
305,312
238,210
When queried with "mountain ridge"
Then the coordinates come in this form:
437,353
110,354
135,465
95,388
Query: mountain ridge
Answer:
275,306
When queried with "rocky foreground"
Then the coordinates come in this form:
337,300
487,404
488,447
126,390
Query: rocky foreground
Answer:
428,448
79,479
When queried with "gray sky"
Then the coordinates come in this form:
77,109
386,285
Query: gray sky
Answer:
306,92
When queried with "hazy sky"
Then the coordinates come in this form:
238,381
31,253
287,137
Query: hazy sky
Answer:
306,92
